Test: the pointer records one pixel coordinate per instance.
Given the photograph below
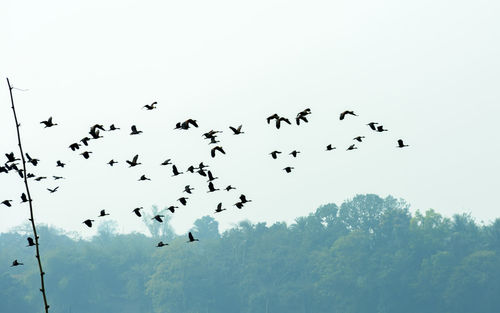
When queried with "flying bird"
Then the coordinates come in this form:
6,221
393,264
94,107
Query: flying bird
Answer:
57,177
288,169
239,205
211,187
137,211
219,208
274,154
190,169
7,203
113,127
188,189
85,141
175,171
351,147
158,218
217,148
166,162
343,114
31,242
60,164
381,129
24,198
134,130
31,160
112,162
103,213
183,200
151,106
372,125
16,263
228,188
40,178
243,199
359,138
143,178
191,238
86,154
172,208
74,146
134,161
401,144
236,131
53,190
11,158
294,153
272,117
48,123
210,176
161,244
88,222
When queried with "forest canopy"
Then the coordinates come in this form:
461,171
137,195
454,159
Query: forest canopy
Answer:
370,254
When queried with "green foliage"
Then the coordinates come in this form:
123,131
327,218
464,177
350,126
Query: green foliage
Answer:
368,255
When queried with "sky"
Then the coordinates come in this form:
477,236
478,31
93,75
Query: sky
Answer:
427,70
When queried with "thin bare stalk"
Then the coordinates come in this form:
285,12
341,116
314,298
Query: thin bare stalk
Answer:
32,218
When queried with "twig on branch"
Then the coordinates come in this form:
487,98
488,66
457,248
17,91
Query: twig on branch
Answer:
32,218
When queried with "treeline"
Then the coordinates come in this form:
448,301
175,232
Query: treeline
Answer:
368,255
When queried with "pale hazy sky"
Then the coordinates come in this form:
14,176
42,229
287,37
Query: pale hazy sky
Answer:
428,70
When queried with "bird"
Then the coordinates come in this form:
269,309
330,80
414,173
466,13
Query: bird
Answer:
48,123
31,242
288,169
11,158
94,133
57,177
3,169
40,178
274,154
7,203
201,172
85,141
158,218
183,200
143,178
186,123
86,154
213,141
358,138
228,188
351,147
172,208
302,116
294,153
178,125
190,169
188,189
236,131
16,263
24,198
175,171
243,199
202,166
112,162
88,222
60,164
216,148
31,160
103,213
191,238
282,119
210,176
211,187
381,129
74,146
137,211
113,127
372,125
151,106
274,116
134,130
134,161
166,162
239,205
343,114
401,144
161,244
97,126
219,208
53,190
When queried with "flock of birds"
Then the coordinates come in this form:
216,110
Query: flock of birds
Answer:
95,133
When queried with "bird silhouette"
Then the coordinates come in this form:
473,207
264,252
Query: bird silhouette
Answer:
134,161
186,123
53,190
11,158
343,114
161,244
202,166
48,123
213,141
143,178
57,177
95,133
137,211
183,200
202,172
158,218
188,189
282,119
7,203
401,144
31,160
219,208
229,188
236,131
172,208
31,242
16,263
113,127
302,116
381,129
351,147
85,141
216,148
191,238
175,171
74,146
190,169
359,138
211,134
112,162
40,178
211,187
294,153
151,106
24,198
30,175
243,199
86,154
60,164
274,154
103,213
166,162
372,125
88,222
288,169
239,205
272,117
210,176
134,130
